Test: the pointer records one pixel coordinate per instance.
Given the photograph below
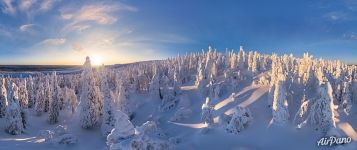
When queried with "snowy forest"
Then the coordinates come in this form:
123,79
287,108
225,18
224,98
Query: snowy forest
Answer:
205,100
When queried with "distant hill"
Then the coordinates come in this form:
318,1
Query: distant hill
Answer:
36,68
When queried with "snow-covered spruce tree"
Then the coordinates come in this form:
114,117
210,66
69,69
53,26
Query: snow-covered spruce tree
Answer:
207,112
250,61
23,95
302,113
214,90
14,119
321,112
71,99
124,99
3,98
347,98
233,61
47,93
177,84
241,58
169,99
201,79
276,67
23,101
40,99
240,120
30,92
61,97
123,130
90,98
280,105
214,70
154,87
54,105
108,121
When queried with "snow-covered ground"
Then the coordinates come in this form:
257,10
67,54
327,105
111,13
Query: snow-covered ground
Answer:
263,94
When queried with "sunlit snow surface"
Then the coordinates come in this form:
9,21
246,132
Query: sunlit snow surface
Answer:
189,130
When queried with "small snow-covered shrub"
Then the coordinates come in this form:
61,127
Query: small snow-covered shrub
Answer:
207,112
240,120
169,100
60,130
142,144
58,136
223,120
205,130
148,127
66,139
263,81
175,140
46,134
181,113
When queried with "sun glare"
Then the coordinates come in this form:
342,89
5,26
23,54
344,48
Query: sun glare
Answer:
97,60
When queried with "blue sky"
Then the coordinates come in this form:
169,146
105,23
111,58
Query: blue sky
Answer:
119,31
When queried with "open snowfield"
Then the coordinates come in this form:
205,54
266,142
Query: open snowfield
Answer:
182,125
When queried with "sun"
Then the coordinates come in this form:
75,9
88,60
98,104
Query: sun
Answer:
97,60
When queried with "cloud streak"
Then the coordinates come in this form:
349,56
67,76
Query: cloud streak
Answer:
76,47
52,42
26,27
25,5
101,14
29,7
350,36
8,7
47,4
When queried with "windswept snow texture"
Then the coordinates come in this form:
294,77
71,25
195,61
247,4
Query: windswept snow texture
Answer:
208,100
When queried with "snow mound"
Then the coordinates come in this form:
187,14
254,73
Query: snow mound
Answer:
240,120
124,129
181,113
147,137
65,139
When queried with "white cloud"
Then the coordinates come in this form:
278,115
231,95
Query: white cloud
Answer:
8,7
96,13
351,4
76,47
47,4
350,36
25,5
29,7
52,42
26,27
80,28
102,14
335,16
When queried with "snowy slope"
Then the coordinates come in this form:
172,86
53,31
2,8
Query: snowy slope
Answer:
231,80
